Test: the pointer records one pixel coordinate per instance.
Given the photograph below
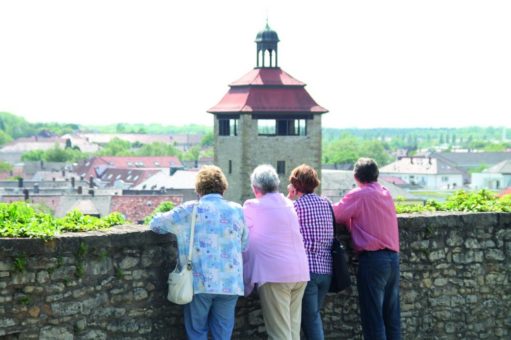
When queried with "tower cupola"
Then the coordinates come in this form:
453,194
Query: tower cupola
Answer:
267,41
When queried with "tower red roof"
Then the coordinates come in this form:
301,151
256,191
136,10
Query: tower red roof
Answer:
267,90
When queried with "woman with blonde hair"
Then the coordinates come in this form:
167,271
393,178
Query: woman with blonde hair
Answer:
220,237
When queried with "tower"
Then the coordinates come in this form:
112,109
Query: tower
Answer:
266,117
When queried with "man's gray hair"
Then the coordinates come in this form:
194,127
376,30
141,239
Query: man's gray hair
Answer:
265,179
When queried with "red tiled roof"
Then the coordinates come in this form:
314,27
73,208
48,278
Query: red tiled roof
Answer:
505,192
267,99
267,91
135,208
394,180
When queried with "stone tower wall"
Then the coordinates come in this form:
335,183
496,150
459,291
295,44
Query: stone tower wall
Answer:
248,150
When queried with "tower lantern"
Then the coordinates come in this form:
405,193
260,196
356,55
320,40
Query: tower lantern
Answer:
267,43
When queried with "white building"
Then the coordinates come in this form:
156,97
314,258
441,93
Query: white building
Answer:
496,177
426,173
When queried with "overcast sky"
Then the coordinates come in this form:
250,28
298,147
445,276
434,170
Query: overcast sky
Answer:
371,63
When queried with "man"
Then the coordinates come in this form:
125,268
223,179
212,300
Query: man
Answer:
370,216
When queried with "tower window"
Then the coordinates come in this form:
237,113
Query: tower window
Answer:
282,127
230,166
281,167
227,127
266,127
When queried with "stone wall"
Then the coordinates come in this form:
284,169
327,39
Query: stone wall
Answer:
111,285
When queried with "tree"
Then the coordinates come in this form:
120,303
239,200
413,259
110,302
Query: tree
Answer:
33,155
120,128
207,139
341,151
192,154
157,149
4,138
57,154
347,149
5,167
377,151
116,147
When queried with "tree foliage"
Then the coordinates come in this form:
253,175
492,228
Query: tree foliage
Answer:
4,166
348,148
157,149
163,207
55,154
116,147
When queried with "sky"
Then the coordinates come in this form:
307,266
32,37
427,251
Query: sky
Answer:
372,64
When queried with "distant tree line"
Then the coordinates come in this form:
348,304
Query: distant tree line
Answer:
340,146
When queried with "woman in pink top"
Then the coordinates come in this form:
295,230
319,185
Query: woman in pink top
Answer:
275,260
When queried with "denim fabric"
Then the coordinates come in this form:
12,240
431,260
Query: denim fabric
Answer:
210,312
378,292
312,302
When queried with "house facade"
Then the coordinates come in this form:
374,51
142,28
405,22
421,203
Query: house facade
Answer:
496,177
425,173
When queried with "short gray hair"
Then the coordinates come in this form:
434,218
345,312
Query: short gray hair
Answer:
265,178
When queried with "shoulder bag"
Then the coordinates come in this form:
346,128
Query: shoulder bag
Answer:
341,278
181,278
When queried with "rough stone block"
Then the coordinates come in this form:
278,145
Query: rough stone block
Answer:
129,262
52,333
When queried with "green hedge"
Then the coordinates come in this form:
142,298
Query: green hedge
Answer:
480,201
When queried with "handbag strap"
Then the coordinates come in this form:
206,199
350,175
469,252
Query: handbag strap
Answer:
333,218
192,232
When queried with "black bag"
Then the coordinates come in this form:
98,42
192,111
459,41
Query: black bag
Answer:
341,278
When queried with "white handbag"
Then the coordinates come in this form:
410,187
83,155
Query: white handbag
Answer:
181,278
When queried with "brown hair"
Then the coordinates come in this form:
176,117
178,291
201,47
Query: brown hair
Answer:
304,178
210,180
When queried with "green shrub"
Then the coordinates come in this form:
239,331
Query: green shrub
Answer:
163,207
480,201
19,219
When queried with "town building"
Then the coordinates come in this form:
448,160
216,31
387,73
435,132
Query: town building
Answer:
425,173
96,166
496,177
266,117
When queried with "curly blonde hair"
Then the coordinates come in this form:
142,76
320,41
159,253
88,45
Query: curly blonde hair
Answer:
210,180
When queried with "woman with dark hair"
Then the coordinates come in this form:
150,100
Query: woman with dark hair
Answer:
316,226
370,216
275,260
220,237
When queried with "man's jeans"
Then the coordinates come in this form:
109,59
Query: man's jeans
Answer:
378,292
312,302
213,312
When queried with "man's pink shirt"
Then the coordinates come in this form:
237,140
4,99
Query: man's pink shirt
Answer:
370,215
275,252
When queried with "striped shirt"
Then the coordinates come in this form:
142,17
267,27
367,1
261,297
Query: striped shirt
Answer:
316,226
